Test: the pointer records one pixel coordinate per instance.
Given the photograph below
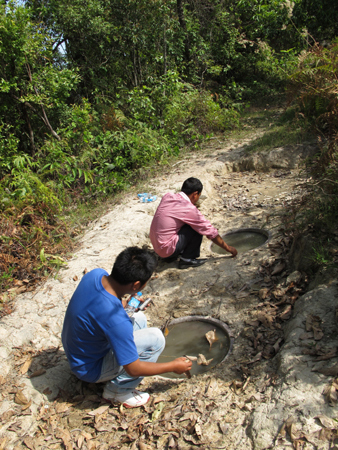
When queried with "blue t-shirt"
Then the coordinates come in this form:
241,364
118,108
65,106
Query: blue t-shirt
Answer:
96,323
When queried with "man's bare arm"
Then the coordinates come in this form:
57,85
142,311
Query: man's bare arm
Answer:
142,368
219,241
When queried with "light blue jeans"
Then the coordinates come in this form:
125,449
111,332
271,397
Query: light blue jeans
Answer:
150,343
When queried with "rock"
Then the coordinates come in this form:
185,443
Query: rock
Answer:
294,277
299,387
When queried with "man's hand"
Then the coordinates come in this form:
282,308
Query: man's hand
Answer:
143,368
182,365
219,241
232,250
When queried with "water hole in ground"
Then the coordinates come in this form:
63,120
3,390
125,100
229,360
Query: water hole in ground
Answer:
187,337
243,240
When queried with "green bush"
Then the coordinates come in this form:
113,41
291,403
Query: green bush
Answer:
314,88
193,114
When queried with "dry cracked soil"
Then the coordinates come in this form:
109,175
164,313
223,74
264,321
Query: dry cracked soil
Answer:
276,389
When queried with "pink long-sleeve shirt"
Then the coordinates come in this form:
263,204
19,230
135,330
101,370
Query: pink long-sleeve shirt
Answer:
173,212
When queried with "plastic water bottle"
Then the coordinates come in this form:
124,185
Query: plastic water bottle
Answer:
133,304
146,198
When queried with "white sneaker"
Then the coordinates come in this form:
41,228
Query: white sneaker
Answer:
131,399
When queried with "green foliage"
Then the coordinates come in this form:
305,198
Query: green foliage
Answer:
192,114
313,86
319,19
19,182
9,150
33,90
93,94
321,255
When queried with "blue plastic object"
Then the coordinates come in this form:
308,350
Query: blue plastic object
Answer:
145,197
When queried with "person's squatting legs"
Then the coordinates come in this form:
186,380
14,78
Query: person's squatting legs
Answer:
150,343
189,243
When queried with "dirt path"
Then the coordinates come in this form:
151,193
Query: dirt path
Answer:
240,404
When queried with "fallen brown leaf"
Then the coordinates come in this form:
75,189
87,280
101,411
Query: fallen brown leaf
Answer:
92,445
327,434
198,430
278,268
65,436
99,410
312,321
224,427
211,387
237,386
328,371
26,406
265,319
80,441
292,430
37,373
202,361
330,354
25,367
317,333
256,358
61,408
263,293
191,358
211,337
29,442
20,399
307,335
87,435
172,443
286,313
330,392
327,422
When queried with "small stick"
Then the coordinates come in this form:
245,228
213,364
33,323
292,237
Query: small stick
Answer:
245,384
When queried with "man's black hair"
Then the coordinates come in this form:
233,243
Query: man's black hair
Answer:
134,264
192,185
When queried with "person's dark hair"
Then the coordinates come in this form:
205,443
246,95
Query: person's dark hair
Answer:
192,185
134,264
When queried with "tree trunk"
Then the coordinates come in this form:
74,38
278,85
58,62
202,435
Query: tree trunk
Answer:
165,47
184,28
135,68
44,115
30,130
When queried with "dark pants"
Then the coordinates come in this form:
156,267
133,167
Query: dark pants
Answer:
189,243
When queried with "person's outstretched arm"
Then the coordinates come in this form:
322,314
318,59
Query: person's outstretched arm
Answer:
142,368
219,241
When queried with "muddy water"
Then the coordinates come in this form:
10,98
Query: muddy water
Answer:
188,338
243,241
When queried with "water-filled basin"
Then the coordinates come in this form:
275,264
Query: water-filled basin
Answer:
187,337
243,239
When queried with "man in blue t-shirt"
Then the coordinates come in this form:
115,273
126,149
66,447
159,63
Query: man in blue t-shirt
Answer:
102,343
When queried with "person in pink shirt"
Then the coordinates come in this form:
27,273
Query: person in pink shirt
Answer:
178,227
